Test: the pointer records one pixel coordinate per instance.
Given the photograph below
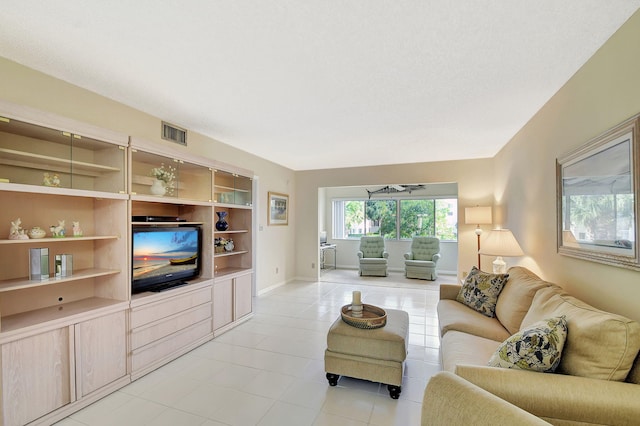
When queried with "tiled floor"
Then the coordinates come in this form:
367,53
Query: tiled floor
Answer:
270,371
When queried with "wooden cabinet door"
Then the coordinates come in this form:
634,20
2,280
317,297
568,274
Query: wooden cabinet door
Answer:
222,303
242,296
101,355
37,377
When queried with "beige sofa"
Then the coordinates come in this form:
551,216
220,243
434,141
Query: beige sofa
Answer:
451,400
597,380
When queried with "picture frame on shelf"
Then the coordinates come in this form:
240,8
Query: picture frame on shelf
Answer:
278,209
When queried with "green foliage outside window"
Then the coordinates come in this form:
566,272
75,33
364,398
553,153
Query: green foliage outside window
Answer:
406,218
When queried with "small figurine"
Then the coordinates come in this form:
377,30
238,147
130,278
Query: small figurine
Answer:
16,232
58,231
37,232
77,231
51,180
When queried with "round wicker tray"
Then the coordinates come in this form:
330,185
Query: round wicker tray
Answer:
372,317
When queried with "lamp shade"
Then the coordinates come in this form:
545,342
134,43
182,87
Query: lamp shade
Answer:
501,242
477,215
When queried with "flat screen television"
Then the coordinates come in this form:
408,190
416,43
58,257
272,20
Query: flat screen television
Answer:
164,257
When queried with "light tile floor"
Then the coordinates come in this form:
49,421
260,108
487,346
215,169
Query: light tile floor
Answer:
270,370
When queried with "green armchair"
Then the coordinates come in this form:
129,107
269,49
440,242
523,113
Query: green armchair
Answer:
421,261
372,257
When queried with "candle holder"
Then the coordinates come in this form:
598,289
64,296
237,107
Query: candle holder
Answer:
356,305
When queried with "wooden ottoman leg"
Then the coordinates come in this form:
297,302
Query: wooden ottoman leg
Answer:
333,379
394,391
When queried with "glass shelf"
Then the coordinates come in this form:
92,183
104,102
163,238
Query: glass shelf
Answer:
35,155
231,188
182,180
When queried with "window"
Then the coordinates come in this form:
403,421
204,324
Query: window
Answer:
391,218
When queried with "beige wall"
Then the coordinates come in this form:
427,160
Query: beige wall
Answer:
602,94
475,186
275,245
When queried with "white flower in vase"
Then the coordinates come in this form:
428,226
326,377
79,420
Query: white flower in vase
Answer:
165,175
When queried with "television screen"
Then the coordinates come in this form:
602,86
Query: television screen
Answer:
164,257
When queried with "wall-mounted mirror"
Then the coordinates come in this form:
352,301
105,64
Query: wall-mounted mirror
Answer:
597,188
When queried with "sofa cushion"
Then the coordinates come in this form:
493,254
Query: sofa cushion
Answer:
516,296
457,347
480,291
536,348
599,345
453,315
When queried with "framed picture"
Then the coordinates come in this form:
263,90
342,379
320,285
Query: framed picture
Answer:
278,209
597,187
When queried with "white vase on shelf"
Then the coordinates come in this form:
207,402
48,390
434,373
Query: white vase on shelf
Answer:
158,187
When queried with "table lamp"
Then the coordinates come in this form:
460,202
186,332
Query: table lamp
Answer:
501,242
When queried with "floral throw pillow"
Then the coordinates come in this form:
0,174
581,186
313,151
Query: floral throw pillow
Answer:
535,348
480,291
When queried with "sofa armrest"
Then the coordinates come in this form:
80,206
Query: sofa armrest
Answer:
385,254
560,398
451,400
360,254
436,257
408,256
449,291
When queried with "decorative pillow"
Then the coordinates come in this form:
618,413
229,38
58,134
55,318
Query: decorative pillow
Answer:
535,348
480,291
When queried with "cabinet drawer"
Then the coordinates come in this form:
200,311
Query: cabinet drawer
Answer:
158,310
147,355
151,332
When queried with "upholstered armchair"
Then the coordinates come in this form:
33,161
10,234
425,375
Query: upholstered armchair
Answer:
373,257
421,261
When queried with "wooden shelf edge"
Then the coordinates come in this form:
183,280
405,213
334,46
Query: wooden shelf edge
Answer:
226,273
82,274
169,200
40,320
165,223
50,190
230,253
60,240
232,206
235,231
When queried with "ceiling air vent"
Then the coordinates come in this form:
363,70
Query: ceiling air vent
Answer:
174,133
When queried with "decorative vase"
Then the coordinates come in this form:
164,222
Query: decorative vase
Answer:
221,224
158,188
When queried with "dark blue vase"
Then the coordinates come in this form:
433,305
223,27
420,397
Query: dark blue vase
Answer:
221,224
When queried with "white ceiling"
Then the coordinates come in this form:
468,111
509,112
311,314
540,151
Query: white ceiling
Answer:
313,84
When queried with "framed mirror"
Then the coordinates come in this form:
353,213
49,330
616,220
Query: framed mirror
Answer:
597,193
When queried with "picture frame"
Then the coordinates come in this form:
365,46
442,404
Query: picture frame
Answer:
278,213
597,198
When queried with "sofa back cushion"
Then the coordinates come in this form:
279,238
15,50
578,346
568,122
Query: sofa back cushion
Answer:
516,297
599,345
